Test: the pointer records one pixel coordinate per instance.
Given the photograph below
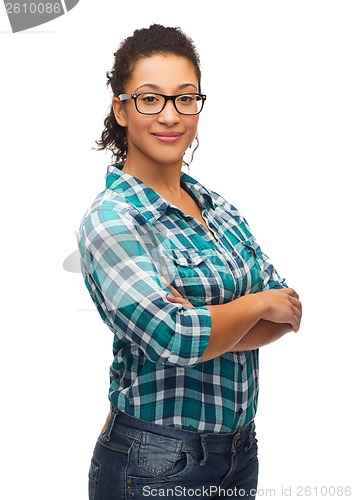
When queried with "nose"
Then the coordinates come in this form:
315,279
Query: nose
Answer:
169,114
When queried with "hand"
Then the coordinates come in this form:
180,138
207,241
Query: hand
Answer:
282,306
176,298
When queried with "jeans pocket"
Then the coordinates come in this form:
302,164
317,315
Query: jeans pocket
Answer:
158,454
158,457
93,476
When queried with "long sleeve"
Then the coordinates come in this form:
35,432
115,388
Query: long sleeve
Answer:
124,283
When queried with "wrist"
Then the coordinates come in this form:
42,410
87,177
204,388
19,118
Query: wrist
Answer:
261,305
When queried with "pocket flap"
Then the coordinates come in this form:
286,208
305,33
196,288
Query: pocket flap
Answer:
189,257
250,244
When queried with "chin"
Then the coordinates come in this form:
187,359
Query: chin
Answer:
171,162
168,159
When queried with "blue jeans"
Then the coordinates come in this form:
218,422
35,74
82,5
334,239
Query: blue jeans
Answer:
135,459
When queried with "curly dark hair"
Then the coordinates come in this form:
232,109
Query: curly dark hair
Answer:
156,39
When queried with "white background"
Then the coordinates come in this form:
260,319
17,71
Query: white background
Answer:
276,141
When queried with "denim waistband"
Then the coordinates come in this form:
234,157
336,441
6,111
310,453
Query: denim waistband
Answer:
190,440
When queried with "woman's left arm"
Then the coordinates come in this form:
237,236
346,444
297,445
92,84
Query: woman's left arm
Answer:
263,333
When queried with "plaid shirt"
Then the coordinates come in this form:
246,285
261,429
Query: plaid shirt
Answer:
128,239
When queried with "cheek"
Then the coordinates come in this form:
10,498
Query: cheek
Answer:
139,126
191,123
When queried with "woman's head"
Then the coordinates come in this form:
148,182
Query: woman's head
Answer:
144,43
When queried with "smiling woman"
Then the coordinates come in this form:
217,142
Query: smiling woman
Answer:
184,378
158,120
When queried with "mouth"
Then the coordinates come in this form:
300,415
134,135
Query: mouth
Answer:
168,136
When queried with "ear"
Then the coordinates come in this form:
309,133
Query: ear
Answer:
119,111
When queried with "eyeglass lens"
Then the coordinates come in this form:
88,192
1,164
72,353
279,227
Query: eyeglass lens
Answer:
188,104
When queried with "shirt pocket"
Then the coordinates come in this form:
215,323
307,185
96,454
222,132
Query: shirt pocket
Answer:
194,275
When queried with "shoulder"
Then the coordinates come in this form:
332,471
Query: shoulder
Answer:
219,203
230,215
109,213
224,207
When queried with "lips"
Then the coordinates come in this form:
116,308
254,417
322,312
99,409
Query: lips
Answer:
167,136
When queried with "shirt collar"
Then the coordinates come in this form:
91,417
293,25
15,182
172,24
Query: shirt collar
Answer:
146,200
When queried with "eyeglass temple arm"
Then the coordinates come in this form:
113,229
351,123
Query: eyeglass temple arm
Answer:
124,97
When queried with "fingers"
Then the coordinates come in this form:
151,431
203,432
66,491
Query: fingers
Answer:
297,304
172,289
176,298
289,291
283,306
296,319
297,312
296,307
179,300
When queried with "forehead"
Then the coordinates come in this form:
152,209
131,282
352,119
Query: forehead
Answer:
163,70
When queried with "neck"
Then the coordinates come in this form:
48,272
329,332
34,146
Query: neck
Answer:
165,179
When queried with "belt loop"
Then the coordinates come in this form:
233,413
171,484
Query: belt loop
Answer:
108,432
204,448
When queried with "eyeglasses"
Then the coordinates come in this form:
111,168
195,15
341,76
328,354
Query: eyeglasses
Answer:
150,103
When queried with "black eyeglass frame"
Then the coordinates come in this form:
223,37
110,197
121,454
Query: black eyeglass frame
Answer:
125,97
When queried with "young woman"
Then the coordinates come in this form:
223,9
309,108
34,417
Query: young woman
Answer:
177,276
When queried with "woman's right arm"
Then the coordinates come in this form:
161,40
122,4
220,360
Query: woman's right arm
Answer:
122,264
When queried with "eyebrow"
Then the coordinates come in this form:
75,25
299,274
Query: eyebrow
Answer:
156,87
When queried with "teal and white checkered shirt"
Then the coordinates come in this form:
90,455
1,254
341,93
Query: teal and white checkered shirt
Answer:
128,239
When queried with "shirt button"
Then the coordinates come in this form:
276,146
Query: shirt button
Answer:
240,411
241,367
189,260
234,253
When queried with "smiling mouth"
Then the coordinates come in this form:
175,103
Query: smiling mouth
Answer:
168,136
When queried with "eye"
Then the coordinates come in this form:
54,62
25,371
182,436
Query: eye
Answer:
186,98
149,98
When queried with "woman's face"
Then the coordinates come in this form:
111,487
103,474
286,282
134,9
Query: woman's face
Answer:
163,138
